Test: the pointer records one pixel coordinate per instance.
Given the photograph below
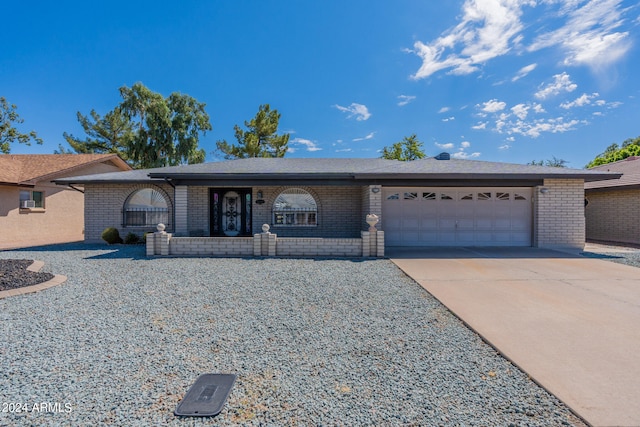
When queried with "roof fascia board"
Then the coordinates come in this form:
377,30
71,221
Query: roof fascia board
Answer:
489,176
230,182
50,176
613,188
70,181
401,182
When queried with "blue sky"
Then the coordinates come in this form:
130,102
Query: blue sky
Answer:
498,80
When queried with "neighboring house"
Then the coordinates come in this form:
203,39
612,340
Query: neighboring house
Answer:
320,204
613,206
35,211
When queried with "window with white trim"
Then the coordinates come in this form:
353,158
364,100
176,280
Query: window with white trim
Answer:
295,207
145,208
31,199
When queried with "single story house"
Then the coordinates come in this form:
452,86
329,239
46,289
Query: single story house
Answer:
613,206
35,211
318,206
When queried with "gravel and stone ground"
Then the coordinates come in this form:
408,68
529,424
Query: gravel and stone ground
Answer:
629,255
14,274
313,342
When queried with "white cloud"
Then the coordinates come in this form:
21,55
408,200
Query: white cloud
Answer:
344,150
521,111
504,147
561,83
465,155
538,108
589,33
486,30
447,146
586,31
583,100
535,128
448,119
524,71
310,145
359,111
405,99
443,110
480,126
493,106
369,136
460,150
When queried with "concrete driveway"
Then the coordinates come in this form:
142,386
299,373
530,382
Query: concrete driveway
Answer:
572,323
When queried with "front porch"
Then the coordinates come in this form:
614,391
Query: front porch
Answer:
266,244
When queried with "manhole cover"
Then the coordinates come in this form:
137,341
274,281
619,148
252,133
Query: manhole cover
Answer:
206,396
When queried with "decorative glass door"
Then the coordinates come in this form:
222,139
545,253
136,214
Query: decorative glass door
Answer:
230,211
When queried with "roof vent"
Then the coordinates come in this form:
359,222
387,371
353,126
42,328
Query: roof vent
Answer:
443,156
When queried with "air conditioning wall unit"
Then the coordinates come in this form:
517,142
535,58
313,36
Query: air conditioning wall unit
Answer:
27,204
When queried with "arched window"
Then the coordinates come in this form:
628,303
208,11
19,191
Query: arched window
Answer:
295,207
144,208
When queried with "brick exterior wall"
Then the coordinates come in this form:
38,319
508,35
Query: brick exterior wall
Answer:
104,206
340,211
198,211
559,214
181,221
371,204
266,245
216,246
613,216
318,247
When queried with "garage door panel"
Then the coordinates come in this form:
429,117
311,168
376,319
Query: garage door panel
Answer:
425,216
445,224
429,237
484,224
484,238
520,224
466,223
466,237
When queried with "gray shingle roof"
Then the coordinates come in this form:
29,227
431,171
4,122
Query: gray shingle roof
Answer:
629,168
345,169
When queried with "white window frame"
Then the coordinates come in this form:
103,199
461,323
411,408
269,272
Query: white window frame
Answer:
157,211
301,210
31,198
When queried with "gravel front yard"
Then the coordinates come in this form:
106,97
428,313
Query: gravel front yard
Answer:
313,342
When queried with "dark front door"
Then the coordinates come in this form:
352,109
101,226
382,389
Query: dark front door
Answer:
230,211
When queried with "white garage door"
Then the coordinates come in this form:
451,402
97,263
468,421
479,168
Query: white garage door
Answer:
427,216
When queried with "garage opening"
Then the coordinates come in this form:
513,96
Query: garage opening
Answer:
425,216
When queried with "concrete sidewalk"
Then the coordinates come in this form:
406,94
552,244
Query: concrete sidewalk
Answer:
572,323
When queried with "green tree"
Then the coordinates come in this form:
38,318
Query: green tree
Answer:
112,133
8,132
554,162
146,129
259,140
410,148
614,152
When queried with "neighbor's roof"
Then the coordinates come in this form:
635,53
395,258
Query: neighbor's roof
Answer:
629,168
344,170
27,169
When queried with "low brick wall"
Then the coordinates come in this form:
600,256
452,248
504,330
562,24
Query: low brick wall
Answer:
292,246
266,245
230,246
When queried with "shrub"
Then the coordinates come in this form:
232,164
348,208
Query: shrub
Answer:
131,239
111,235
144,236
